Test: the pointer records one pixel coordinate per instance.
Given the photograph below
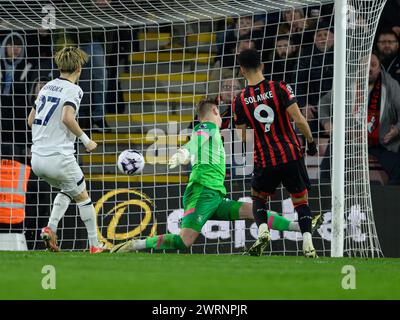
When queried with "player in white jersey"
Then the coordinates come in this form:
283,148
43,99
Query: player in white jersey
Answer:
54,131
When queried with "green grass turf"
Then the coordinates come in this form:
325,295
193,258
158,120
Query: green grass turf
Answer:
173,276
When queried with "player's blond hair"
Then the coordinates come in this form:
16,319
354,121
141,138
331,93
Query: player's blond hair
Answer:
69,59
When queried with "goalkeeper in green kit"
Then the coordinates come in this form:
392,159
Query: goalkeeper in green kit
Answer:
204,195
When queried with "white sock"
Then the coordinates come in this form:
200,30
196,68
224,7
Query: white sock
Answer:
60,206
139,244
307,240
262,228
88,216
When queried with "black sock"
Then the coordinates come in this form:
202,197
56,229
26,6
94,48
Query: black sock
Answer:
305,217
259,212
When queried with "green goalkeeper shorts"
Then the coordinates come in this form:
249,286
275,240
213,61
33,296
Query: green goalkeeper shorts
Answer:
202,204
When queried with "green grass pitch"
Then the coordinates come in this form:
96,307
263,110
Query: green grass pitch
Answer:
183,276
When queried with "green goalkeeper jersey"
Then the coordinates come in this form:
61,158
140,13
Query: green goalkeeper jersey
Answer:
208,157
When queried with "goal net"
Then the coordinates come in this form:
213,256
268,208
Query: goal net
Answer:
150,63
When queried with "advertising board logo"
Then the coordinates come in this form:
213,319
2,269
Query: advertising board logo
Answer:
126,209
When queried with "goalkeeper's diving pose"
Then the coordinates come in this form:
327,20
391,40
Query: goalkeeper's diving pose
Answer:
204,197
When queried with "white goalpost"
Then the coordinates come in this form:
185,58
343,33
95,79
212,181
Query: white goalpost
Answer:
150,63
355,27
338,147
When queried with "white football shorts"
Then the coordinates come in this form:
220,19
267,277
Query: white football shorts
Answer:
61,172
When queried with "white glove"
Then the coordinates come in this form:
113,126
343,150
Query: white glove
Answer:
181,157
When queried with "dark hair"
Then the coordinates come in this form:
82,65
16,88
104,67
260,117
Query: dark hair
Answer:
249,59
387,31
325,24
284,37
376,54
14,40
204,107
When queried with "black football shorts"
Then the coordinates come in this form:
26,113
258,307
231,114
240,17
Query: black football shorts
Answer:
293,176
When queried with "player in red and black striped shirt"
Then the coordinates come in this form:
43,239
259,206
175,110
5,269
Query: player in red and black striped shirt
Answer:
268,107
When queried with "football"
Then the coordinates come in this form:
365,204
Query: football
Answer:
130,162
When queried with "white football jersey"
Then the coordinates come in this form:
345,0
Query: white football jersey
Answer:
49,134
